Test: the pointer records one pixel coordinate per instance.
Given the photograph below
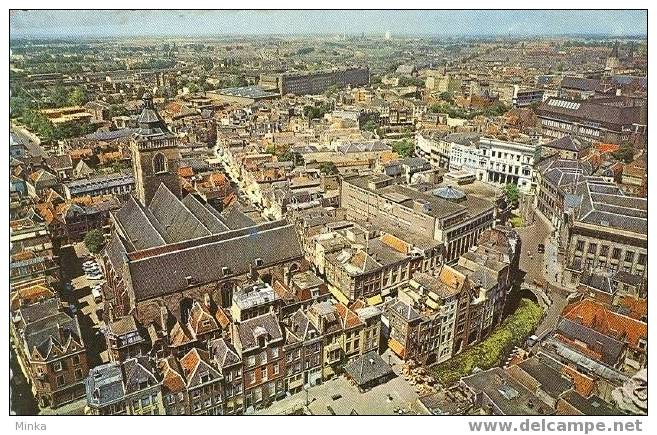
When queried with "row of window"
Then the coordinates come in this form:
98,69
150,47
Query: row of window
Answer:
262,358
615,253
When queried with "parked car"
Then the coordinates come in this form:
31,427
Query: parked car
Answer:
97,294
532,340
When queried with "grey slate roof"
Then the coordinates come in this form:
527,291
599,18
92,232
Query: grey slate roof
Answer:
610,348
506,393
137,227
175,219
203,214
266,325
551,380
234,219
136,371
613,210
104,385
592,405
368,368
85,185
569,143
166,272
223,353
49,328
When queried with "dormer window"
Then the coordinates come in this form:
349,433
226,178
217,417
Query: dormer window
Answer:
259,262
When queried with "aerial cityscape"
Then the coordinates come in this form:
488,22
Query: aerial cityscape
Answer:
328,213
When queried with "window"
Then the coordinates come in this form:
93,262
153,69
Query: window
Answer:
592,248
276,369
616,254
57,366
263,373
196,394
629,256
604,250
145,401
580,245
171,399
159,163
60,380
272,389
250,378
274,352
76,360
642,259
78,373
251,361
258,394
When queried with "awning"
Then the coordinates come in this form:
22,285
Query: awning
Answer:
374,300
397,348
337,294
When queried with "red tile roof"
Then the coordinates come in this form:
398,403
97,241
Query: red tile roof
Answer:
597,316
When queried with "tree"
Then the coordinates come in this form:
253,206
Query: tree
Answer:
447,96
328,168
625,153
370,125
94,241
512,193
77,96
404,148
292,156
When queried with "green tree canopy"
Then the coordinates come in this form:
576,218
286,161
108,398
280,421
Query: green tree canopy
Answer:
404,147
94,240
328,168
512,193
625,153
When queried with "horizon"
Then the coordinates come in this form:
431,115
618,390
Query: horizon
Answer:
518,24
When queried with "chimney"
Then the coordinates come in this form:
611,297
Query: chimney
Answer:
207,300
164,316
287,276
110,313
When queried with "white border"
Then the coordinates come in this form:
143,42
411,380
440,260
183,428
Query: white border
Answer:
287,425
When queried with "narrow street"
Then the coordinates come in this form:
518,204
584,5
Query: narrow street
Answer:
542,269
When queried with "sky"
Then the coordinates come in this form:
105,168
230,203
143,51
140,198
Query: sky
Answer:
123,23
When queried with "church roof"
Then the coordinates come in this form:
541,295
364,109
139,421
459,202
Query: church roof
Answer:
150,122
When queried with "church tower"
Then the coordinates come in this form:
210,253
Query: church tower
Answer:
155,154
613,61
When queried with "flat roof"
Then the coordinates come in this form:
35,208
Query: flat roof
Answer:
255,92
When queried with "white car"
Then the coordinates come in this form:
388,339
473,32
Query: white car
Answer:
97,294
95,276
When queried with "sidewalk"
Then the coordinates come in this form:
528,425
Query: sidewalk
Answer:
73,408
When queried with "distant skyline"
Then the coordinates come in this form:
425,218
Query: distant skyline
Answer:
180,23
